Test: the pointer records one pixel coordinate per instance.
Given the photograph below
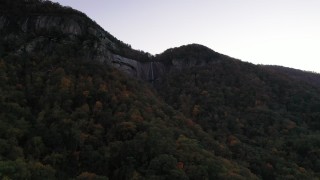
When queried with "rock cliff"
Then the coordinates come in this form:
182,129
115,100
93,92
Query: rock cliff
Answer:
91,40
53,33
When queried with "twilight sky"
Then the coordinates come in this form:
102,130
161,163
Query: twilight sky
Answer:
280,32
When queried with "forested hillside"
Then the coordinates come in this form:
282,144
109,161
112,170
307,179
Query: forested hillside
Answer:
268,121
64,115
67,113
299,75
63,118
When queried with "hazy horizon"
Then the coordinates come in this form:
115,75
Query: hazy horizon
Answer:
275,32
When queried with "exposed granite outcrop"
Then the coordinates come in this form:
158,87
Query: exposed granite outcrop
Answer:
97,50
52,33
32,24
149,71
67,25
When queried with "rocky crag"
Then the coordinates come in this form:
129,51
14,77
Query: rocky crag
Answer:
46,32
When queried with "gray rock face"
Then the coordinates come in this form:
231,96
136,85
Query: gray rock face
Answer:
42,23
148,71
49,23
96,49
52,34
68,25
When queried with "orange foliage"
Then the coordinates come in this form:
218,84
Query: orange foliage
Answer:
103,88
98,106
302,170
232,140
85,108
180,165
38,165
190,123
84,136
149,109
65,83
124,94
85,93
120,115
98,126
291,125
2,64
233,175
196,110
128,125
89,80
204,93
87,176
136,117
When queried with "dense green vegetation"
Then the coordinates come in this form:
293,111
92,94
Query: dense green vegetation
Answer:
312,78
64,116
193,54
269,122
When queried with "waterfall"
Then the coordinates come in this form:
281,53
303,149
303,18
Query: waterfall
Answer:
152,75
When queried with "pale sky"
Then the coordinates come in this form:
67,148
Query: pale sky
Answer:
278,32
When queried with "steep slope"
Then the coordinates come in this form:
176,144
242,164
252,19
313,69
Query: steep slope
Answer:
67,113
46,27
84,119
299,75
269,121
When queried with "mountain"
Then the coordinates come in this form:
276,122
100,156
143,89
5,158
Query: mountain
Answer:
303,76
269,120
66,112
46,27
77,103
